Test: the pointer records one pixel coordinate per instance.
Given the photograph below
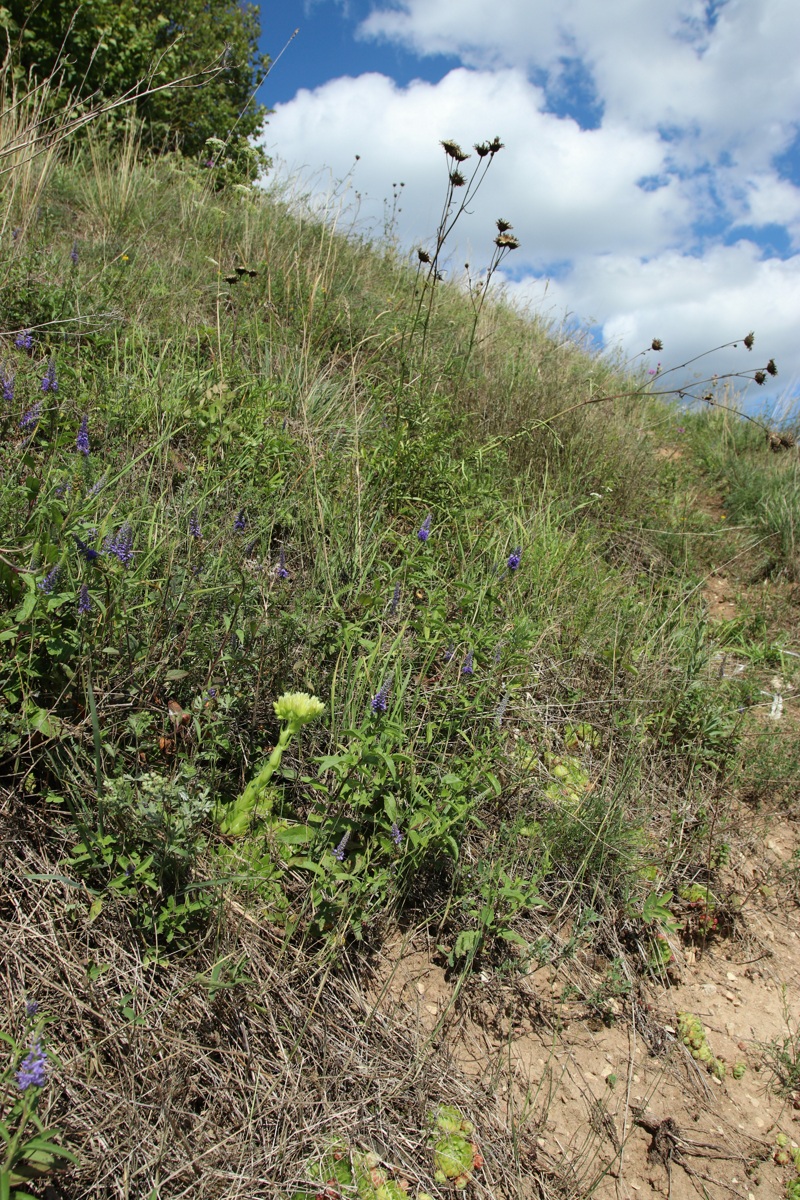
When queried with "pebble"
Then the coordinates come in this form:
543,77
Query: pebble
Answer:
730,975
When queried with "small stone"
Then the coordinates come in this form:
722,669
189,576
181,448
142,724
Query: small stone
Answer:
730,975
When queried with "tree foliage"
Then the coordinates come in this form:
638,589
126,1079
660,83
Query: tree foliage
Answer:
106,47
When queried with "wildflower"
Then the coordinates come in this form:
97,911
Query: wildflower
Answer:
82,440
395,601
656,370
759,377
468,667
282,572
15,234
121,543
424,531
453,150
74,254
32,417
656,344
97,488
681,429
506,241
449,652
298,708
748,341
396,835
84,599
771,368
503,226
7,380
380,701
50,580
482,149
32,1068
339,852
50,383
457,179
24,340
85,550
240,524
194,526
513,560
498,652
423,256
495,146
31,1008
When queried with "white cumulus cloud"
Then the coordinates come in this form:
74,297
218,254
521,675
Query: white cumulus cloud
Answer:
646,223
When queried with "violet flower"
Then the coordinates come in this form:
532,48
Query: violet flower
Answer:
32,1072
82,440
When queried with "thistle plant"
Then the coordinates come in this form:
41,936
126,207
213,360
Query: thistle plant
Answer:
294,709
460,192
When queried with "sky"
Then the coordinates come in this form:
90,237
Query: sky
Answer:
651,161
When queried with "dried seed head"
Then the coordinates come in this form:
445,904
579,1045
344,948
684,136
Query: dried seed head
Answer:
502,225
771,368
495,144
656,344
506,241
760,377
423,256
482,149
457,179
453,150
748,341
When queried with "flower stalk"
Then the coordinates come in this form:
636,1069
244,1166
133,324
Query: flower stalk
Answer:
295,709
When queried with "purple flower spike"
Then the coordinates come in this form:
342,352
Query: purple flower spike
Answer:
240,524
32,417
31,1008
513,559
82,440
24,340
84,599
424,531
468,667
50,383
84,550
50,580
339,852
449,652
194,527
73,254
396,835
32,1068
7,380
282,572
380,701
121,543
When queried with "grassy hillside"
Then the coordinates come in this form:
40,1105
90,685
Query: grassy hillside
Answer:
242,457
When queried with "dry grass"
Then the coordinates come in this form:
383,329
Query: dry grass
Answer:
233,1090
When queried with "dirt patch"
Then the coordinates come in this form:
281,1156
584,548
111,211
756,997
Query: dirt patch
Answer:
619,1107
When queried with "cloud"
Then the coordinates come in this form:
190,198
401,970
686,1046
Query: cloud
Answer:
691,304
645,220
721,77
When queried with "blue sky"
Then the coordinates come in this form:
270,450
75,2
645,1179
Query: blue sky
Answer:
652,161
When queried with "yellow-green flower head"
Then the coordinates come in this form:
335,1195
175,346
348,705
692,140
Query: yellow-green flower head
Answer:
298,708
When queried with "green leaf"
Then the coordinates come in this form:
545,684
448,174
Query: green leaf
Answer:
295,835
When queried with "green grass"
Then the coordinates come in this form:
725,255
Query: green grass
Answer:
555,743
